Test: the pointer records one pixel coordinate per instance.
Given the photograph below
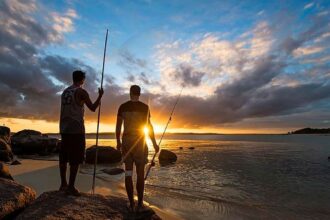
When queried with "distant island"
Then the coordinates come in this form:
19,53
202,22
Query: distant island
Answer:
311,131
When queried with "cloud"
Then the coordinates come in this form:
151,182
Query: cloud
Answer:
187,75
309,5
62,23
210,61
315,31
128,60
305,51
246,75
139,78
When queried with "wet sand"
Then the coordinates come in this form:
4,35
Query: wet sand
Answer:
44,176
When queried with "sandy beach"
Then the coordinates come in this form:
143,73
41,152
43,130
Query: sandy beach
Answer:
43,176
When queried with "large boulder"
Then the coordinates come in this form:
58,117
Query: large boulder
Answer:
13,198
105,155
166,156
56,205
5,133
33,142
4,172
6,153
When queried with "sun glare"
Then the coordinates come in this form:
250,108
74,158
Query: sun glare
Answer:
146,131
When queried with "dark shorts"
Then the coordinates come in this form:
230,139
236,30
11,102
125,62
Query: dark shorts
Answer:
134,150
72,148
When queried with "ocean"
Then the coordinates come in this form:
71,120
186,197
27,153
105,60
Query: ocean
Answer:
242,177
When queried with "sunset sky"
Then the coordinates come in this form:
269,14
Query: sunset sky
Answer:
245,66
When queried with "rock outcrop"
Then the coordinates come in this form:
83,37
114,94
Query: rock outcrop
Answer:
4,172
13,198
166,156
33,142
6,153
105,155
56,205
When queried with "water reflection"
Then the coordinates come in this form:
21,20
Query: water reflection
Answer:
270,177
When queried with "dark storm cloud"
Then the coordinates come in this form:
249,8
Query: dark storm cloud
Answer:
235,103
28,86
188,75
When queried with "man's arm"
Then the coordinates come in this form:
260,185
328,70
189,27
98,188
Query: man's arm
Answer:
118,131
152,136
85,99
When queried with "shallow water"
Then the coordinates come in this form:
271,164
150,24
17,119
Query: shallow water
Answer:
243,177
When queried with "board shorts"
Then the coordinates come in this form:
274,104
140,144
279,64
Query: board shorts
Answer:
72,149
135,150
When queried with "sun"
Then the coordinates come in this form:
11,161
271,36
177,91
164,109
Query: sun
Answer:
146,131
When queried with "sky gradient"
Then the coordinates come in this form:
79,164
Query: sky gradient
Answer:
245,66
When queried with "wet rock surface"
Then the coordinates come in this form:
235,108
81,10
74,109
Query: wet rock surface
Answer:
57,205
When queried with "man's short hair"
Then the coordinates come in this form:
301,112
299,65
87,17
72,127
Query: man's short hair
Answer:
78,76
135,90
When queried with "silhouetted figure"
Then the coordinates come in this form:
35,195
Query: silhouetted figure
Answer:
135,116
72,129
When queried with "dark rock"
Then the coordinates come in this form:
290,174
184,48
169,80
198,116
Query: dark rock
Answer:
33,142
4,131
16,162
56,205
191,148
312,131
6,153
167,156
113,171
13,198
104,155
27,132
180,148
4,172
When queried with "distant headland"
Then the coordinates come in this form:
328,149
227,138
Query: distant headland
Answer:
311,131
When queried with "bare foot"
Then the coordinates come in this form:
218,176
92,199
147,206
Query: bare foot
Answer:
72,191
142,208
63,187
130,207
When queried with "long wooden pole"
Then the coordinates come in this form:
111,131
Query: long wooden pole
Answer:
99,115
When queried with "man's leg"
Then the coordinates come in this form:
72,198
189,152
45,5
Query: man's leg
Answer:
63,166
129,182
63,160
140,183
76,157
73,175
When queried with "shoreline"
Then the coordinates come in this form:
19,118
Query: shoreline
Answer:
43,176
